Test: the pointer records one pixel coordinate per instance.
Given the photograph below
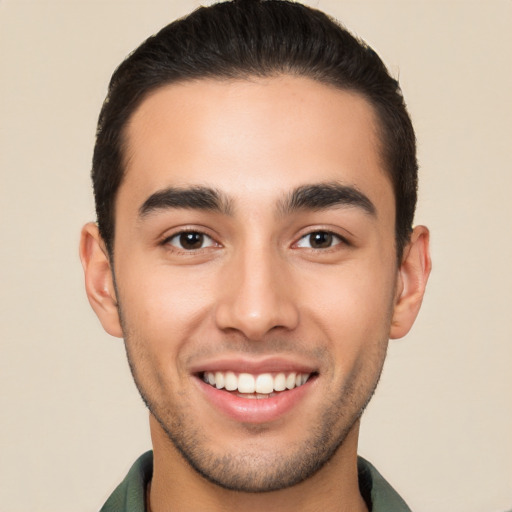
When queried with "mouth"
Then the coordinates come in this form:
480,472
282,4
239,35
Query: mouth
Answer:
256,386
257,391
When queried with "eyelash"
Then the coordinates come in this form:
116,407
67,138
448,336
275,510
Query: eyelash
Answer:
185,232
331,237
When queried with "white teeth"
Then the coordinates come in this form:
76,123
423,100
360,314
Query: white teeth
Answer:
262,385
290,381
280,382
230,381
219,380
253,396
246,383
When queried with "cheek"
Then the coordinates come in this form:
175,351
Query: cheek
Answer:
162,305
353,307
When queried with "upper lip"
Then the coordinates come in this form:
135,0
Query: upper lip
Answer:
254,365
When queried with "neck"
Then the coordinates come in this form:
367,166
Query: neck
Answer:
177,486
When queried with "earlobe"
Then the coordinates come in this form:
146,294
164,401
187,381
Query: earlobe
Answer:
99,282
412,281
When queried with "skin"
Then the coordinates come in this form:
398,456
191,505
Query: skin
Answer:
255,288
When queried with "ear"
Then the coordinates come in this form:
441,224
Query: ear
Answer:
99,281
412,280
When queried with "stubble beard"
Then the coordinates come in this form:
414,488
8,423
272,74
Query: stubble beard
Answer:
255,470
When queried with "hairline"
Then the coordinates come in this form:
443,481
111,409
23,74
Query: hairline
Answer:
379,130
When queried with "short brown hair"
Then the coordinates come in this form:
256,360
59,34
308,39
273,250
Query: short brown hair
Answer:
243,38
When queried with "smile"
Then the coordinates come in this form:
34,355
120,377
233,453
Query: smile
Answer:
257,391
263,385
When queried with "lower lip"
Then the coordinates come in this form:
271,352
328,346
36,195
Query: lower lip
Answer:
255,410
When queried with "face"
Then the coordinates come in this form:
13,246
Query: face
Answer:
256,272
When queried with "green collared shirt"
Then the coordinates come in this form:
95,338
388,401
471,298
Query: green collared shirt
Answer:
130,495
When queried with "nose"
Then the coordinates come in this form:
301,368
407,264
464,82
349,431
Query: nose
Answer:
257,295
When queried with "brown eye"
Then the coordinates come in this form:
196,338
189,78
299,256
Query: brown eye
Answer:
319,240
191,240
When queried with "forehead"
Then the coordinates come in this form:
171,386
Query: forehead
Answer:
258,137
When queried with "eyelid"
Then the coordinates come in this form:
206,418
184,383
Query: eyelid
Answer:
342,240
188,229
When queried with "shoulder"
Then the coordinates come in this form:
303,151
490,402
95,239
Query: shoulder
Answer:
376,491
130,494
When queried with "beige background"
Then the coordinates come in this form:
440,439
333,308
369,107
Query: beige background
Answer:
72,423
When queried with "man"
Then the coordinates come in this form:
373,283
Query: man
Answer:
255,184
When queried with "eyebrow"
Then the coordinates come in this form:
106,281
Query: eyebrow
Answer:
190,198
318,196
326,195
